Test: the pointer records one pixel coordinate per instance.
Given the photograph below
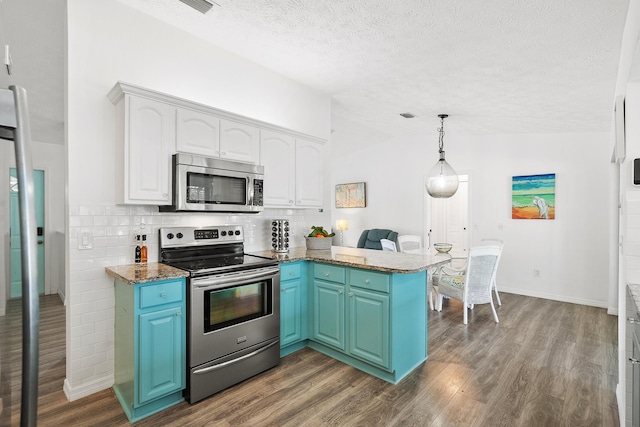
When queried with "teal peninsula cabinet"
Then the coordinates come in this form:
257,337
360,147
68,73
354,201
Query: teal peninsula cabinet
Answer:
363,307
150,337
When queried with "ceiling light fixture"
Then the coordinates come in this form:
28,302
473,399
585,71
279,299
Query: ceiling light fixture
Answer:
442,181
202,6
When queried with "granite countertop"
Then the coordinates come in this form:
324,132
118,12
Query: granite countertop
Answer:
634,290
392,262
143,273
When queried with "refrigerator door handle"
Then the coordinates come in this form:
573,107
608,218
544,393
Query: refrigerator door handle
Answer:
14,125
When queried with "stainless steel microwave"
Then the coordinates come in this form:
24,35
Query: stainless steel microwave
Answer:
215,185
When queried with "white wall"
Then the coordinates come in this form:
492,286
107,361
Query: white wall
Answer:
50,159
107,42
571,251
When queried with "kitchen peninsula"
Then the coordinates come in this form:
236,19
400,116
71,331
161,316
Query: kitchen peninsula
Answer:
366,308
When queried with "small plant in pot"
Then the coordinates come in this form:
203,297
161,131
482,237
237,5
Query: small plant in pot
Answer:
319,238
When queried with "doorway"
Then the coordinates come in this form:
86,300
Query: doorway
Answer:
15,290
447,220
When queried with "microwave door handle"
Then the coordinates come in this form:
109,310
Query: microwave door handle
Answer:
249,192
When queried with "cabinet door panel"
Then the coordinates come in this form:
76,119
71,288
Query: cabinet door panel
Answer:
239,142
328,314
290,312
277,155
197,133
147,160
309,173
161,361
369,326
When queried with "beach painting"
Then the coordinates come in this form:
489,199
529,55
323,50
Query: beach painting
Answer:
533,196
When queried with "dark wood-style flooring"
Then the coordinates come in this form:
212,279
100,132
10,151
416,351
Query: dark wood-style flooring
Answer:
546,363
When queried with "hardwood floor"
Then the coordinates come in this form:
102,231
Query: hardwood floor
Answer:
546,363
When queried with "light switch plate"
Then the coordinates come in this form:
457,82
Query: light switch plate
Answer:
85,240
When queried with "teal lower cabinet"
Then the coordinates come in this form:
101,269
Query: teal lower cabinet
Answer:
293,307
371,320
150,346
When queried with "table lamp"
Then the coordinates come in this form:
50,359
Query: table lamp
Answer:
341,225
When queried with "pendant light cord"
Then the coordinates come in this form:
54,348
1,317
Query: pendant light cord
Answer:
441,138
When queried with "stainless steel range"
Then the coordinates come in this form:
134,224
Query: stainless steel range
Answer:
233,305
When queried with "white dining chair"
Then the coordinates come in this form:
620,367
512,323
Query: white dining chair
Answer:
500,244
410,243
388,245
474,286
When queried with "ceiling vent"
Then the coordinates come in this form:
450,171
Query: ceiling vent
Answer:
407,115
202,6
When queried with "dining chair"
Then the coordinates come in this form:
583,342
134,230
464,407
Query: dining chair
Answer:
388,245
500,244
475,284
410,243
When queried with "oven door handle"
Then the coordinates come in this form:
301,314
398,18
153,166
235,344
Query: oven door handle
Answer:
239,359
224,281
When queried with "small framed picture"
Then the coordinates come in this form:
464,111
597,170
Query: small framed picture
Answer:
351,195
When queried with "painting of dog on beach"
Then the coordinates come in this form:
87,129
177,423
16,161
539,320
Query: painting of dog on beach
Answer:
533,196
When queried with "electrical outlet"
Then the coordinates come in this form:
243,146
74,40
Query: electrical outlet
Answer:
536,272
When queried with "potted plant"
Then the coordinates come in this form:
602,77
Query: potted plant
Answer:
319,238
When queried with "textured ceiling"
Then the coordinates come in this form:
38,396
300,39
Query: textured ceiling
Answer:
496,66
508,66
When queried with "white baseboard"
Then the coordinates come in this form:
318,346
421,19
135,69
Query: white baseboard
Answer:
554,297
612,311
84,390
62,297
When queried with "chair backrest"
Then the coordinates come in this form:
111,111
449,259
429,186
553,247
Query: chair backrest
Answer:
410,243
481,271
388,245
370,239
493,242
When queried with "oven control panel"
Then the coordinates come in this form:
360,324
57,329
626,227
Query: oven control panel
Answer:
197,236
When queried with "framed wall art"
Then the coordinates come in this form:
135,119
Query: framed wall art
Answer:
533,196
351,195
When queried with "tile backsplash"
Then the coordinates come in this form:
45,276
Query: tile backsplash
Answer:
102,236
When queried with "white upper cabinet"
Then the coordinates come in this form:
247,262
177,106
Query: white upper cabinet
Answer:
197,133
277,155
239,142
151,126
293,170
309,173
147,137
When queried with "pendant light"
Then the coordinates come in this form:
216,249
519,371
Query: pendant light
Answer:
442,181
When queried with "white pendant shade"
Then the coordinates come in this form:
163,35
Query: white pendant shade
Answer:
442,181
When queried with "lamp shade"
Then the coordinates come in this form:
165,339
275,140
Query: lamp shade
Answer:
442,181
342,224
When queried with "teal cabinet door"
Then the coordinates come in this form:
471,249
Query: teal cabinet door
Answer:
290,312
369,326
329,313
161,360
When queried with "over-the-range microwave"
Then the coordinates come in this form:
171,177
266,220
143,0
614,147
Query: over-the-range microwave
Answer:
203,184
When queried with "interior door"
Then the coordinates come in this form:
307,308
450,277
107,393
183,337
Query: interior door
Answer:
447,220
14,221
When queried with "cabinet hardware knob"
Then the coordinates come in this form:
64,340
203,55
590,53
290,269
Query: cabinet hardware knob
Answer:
326,274
291,273
223,153
340,292
632,320
350,294
634,361
366,281
179,314
290,201
163,294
